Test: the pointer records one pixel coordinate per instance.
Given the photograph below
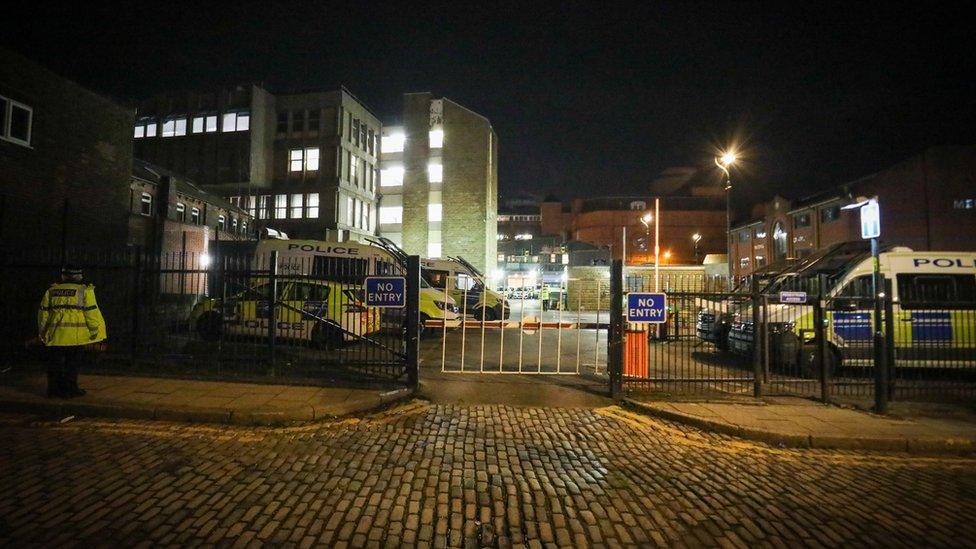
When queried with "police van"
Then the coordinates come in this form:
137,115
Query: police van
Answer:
351,263
715,315
933,301
466,285
322,312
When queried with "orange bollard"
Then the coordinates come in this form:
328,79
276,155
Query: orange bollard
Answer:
635,354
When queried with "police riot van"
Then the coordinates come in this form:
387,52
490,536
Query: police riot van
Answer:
467,286
351,263
715,315
322,312
933,301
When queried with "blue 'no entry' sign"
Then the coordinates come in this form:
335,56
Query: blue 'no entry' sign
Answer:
386,291
646,307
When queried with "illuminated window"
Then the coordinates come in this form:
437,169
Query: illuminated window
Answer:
281,206
434,212
221,223
195,216
435,173
433,249
150,129
392,143
174,127
296,160
349,210
392,176
145,204
436,138
353,163
391,214
180,212
296,206
264,207
204,123
312,206
140,130
236,122
312,159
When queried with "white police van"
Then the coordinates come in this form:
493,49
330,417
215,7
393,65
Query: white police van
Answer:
933,301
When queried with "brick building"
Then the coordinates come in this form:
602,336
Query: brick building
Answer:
65,160
928,202
691,202
439,181
301,162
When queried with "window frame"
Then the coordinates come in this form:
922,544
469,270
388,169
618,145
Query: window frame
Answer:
146,205
8,120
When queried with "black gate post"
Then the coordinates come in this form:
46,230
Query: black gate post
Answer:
820,336
615,333
889,312
758,340
272,306
136,303
412,336
880,363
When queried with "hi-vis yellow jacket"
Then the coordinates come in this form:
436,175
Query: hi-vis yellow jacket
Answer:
69,316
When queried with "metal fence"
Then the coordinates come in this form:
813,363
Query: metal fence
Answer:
239,316
829,344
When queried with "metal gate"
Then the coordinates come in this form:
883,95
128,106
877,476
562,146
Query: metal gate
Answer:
564,335
832,345
235,315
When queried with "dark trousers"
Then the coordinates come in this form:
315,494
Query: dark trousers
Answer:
62,370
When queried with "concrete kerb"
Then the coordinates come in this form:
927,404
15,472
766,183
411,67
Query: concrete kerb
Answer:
271,417
915,446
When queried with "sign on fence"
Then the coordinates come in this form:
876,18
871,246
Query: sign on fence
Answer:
386,291
642,307
793,297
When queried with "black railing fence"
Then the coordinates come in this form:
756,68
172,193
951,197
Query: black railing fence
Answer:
809,337
236,315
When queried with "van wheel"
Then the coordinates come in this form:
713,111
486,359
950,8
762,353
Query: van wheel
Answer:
210,326
808,360
326,336
489,314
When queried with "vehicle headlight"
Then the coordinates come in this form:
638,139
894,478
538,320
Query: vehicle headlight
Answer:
445,306
781,327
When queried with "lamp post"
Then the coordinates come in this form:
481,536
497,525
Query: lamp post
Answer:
646,221
696,238
724,163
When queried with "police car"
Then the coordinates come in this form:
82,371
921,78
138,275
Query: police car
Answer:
933,301
324,313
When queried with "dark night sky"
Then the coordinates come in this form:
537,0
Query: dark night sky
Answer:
586,100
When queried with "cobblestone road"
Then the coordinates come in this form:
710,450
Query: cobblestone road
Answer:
456,476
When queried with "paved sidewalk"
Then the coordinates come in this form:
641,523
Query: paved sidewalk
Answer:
195,401
801,423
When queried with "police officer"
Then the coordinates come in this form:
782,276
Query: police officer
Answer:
68,320
544,297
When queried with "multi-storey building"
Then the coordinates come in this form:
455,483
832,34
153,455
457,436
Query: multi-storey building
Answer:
928,202
301,162
439,181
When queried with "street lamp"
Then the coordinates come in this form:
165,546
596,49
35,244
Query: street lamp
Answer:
724,163
646,221
696,238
